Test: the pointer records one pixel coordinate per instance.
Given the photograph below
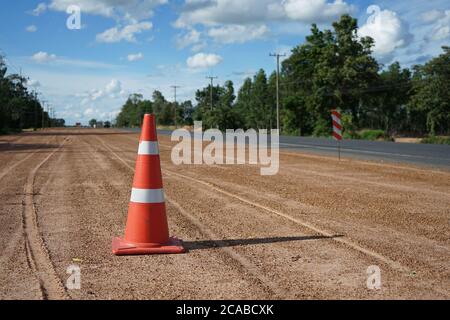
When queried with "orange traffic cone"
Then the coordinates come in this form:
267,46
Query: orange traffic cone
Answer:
147,231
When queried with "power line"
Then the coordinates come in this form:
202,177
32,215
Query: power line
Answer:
277,55
44,102
175,87
18,71
211,89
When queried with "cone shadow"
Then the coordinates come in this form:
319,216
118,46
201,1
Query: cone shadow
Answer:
210,244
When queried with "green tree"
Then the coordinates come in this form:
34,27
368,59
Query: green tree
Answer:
243,103
331,70
225,115
430,101
159,103
203,111
187,110
395,87
136,106
19,108
260,107
130,115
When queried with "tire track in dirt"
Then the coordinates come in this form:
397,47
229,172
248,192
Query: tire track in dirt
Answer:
405,268
13,140
391,263
15,235
18,163
38,257
399,187
241,260
244,262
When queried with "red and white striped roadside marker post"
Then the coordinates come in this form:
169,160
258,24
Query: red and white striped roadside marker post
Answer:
337,129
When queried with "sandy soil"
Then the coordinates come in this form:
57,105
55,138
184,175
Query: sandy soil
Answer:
309,232
408,140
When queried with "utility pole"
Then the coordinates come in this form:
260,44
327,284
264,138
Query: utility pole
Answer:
35,110
175,104
44,102
48,115
50,110
277,55
211,89
36,102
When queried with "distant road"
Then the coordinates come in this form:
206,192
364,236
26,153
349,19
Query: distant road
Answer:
415,153
420,154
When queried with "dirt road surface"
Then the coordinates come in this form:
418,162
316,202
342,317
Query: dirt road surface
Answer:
310,232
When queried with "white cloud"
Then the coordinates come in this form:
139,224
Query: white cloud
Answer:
315,10
126,10
203,60
31,28
67,99
199,46
112,90
40,9
441,29
43,57
113,87
135,57
238,33
127,33
89,112
237,21
238,12
387,29
128,13
88,64
192,37
432,15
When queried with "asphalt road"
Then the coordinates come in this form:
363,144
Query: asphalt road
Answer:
432,155
421,154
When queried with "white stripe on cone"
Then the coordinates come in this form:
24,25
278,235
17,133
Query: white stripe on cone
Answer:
147,195
148,148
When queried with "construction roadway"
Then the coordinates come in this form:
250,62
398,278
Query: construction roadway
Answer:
310,232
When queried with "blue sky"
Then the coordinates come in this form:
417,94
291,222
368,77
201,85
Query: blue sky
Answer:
127,46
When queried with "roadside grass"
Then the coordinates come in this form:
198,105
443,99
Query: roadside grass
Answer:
6,131
173,127
368,134
436,140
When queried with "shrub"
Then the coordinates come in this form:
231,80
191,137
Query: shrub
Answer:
436,140
322,128
373,135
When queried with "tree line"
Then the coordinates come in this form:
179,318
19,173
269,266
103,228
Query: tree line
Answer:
333,69
20,108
